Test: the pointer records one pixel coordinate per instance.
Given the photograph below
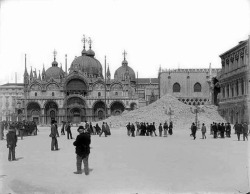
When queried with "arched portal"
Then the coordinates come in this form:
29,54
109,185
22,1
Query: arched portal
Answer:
76,109
99,111
33,112
133,106
51,112
76,86
117,108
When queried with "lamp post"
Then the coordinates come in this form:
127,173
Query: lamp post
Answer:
195,111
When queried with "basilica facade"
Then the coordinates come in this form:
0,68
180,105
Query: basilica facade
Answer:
80,93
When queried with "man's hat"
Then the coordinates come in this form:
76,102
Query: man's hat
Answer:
80,129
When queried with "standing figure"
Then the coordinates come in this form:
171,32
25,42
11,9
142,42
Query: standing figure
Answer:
107,129
215,130
203,131
103,130
82,143
245,131
98,129
194,129
128,129
11,138
68,130
165,127
132,128
62,129
154,129
53,135
238,129
160,130
170,131
1,130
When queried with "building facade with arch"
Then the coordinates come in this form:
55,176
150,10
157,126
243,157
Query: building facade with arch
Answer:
190,86
81,93
234,83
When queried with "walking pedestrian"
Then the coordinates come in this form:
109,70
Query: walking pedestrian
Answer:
165,127
103,130
203,131
62,129
82,150
132,129
128,129
238,129
245,131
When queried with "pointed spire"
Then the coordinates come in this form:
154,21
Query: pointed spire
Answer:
66,68
210,70
25,70
35,75
108,73
39,76
124,62
31,74
43,73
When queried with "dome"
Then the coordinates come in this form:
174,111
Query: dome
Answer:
84,52
54,63
119,73
90,53
54,72
87,64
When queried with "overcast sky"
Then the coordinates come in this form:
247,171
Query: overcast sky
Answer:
170,33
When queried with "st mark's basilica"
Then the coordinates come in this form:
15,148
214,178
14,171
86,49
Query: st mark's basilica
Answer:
78,94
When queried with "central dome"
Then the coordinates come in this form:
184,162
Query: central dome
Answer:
54,72
121,71
87,64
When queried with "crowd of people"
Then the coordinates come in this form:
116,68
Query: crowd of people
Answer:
22,128
222,130
149,129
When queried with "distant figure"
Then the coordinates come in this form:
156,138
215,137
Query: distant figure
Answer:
194,129
82,143
11,138
245,131
238,129
103,130
53,135
62,129
160,130
165,127
128,129
1,131
68,130
98,129
132,129
170,131
107,129
203,131
154,129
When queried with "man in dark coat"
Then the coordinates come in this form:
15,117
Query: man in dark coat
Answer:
128,129
62,129
82,143
245,131
103,130
11,138
68,130
53,135
238,129
194,129
132,129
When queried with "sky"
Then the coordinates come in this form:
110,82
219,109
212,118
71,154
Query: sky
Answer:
167,33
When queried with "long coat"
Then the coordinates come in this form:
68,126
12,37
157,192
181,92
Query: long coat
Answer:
54,131
11,139
82,143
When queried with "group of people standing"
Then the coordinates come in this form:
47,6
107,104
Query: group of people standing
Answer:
149,129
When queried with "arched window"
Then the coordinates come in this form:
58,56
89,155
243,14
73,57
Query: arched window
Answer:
197,87
116,93
99,94
35,94
53,94
176,87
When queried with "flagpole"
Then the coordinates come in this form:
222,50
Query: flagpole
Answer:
105,88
